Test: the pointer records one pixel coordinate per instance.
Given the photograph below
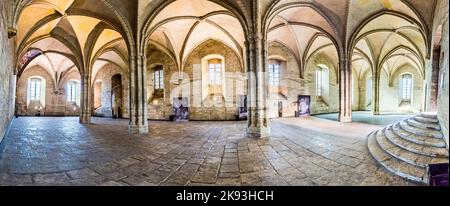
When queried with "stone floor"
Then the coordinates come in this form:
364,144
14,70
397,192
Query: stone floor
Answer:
60,151
369,118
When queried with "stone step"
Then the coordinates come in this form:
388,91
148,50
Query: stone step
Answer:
428,115
428,141
426,120
428,146
402,169
406,155
421,132
422,125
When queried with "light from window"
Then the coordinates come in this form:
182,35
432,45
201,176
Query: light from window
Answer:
72,91
406,87
35,89
274,75
319,75
159,79
442,83
215,73
353,89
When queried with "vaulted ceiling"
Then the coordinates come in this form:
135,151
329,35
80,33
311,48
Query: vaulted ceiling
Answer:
183,25
304,31
383,34
391,41
66,34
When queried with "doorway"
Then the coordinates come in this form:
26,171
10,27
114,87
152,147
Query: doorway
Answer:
280,109
116,96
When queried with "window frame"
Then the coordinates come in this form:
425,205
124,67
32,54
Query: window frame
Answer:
35,89
215,72
275,74
72,94
158,79
407,87
319,82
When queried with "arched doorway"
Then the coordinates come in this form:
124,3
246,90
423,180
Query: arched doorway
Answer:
116,96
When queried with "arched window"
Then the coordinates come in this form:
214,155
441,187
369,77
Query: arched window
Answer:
35,89
73,91
407,84
215,72
319,82
274,74
158,78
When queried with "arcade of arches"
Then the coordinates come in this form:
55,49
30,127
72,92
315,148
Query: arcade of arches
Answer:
118,65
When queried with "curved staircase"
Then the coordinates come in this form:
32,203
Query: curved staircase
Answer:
406,148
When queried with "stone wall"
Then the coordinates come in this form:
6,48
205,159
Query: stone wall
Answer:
219,108
7,77
441,18
363,97
103,94
390,92
55,94
329,102
160,108
291,83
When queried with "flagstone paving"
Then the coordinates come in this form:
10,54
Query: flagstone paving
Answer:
60,151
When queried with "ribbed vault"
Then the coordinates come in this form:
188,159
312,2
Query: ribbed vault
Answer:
183,25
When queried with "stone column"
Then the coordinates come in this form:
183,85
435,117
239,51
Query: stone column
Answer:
376,91
138,95
258,122
345,89
86,94
433,87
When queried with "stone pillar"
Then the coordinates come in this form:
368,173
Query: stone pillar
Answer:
138,95
258,122
376,76
86,94
434,84
345,89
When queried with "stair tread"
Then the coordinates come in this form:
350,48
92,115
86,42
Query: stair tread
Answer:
425,120
422,125
429,115
428,141
406,155
419,131
414,143
394,165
